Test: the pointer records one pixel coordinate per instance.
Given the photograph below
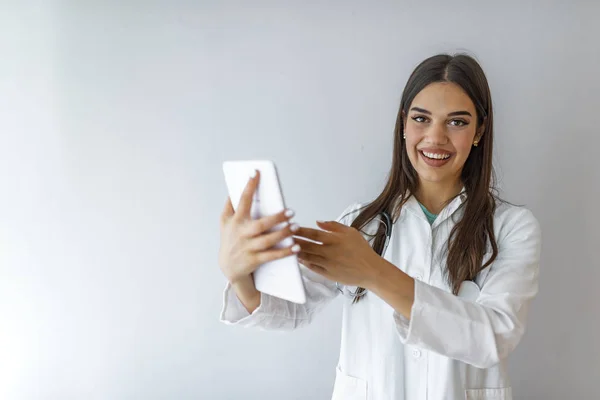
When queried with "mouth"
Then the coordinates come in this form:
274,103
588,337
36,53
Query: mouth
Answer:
435,158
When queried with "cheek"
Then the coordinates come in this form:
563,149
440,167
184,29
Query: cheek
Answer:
414,130
411,143
462,147
413,136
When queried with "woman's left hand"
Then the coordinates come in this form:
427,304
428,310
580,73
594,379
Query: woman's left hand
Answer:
344,256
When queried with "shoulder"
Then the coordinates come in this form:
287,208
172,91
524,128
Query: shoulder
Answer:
516,223
350,213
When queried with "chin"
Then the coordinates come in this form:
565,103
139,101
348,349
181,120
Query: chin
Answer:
435,176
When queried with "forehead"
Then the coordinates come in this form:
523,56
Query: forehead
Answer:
443,98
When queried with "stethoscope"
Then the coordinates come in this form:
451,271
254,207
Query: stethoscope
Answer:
354,293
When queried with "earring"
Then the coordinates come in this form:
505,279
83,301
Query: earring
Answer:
475,143
404,136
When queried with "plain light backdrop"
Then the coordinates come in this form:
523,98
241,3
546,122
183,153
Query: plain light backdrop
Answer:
115,117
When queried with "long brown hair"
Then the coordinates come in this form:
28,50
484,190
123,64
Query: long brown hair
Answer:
470,236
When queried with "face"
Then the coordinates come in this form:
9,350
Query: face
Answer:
440,129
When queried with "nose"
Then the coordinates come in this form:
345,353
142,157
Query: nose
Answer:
437,134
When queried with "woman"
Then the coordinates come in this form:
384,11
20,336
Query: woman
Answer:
437,315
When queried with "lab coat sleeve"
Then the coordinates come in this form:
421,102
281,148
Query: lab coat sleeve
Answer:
482,331
277,314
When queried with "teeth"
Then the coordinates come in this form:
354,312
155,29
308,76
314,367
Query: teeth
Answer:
436,156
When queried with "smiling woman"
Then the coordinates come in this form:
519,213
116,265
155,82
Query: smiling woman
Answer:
447,302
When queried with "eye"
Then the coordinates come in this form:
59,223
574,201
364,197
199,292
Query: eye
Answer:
458,122
419,118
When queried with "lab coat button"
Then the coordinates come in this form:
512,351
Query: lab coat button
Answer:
416,353
419,277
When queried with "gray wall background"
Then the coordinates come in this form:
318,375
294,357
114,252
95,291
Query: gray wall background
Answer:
115,118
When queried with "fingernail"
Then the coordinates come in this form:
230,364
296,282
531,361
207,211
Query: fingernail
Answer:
253,174
289,213
294,227
295,248
320,222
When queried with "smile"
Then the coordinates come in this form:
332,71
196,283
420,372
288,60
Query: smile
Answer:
435,159
436,156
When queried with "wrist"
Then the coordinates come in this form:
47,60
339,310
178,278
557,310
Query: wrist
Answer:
385,276
246,292
243,284
392,285
377,273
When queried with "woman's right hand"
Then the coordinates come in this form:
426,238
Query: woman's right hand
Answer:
248,243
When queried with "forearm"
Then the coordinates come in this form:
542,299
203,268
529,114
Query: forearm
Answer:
247,294
483,330
392,285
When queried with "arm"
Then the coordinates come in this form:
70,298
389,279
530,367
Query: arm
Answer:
247,294
393,286
479,332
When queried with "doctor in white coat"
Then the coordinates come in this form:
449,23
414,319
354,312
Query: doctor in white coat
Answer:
441,310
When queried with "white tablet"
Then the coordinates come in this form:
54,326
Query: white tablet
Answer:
280,278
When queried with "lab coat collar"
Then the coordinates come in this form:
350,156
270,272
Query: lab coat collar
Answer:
412,206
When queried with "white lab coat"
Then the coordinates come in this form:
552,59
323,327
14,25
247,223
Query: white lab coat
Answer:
453,347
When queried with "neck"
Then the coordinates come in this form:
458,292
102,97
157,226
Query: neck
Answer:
435,195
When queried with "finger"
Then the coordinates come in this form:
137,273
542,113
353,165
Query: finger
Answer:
311,247
228,210
332,226
313,258
245,204
268,240
265,224
315,234
315,268
275,254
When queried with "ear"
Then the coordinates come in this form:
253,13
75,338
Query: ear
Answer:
480,132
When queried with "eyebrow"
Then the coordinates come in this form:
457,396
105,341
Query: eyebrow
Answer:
455,113
452,114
